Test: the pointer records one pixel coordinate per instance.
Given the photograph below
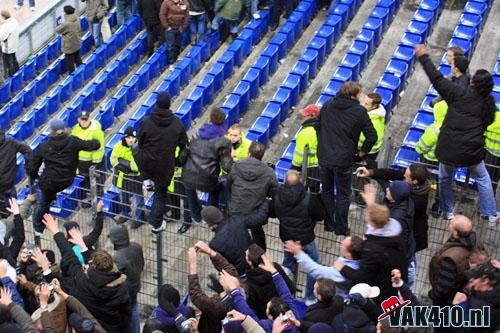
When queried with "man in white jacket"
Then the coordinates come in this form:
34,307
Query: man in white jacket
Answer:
9,38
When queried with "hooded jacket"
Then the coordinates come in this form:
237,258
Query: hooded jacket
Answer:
403,212
447,268
321,312
129,258
8,150
148,10
341,121
297,212
461,138
160,134
355,319
250,182
104,294
383,251
208,153
60,157
71,34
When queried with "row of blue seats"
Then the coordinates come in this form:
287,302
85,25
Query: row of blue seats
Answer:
237,103
425,115
74,82
287,95
38,63
366,42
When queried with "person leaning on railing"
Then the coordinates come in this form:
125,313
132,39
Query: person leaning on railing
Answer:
492,145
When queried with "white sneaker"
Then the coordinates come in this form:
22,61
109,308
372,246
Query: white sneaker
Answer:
492,221
449,216
256,16
171,67
160,228
32,9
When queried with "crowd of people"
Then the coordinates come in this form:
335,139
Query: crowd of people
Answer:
92,290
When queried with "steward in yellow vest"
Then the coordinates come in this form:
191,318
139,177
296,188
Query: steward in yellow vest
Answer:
426,145
127,179
492,145
176,193
377,113
239,143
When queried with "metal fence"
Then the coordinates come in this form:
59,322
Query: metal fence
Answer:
166,253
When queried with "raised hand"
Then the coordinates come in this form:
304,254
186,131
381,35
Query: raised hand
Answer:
50,224
267,264
14,206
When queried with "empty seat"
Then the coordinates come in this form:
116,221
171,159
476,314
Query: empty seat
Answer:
328,33
121,37
410,39
445,69
41,84
112,75
88,99
367,36
143,77
301,69
405,53
383,14
391,82
333,87
280,41
207,83
433,5
404,157
464,44
29,70
135,53
66,89
5,91
110,47
100,56
41,113
243,90
16,82
343,12
272,52
318,44
343,74
231,105
288,29
54,72
425,106
282,97
4,118
89,68
292,83
154,65
335,21
388,99
422,120
465,32
123,64
475,7
29,94
424,16
100,85
175,79
398,68
390,4
87,42
133,89
262,65
361,50
196,97
227,60
184,66
374,24
141,113
105,115
217,71
353,62
412,137
236,48
184,113
310,56
77,79
273,112
120,99
418,28
194,59
297,18
252,77
16,106
259,130
42,59
471,20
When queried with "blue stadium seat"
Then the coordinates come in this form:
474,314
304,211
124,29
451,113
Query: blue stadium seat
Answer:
281,169
301,69
391,82
88,99
133,89
425,106
307,9
361,50
374,24
297,18
475,7
16,106
288,29
100,85
184,113
42,84
143,77
100,56
42,59
236,48
84,24
249,35
4,118
318,44
41,113
282,97
273,113
390,4
259,130
77,79
196,97
367,36
382,13
54,72
89,68
121,37
29,70
292,82
207,83
405,53
110,47
54,100
262,65
184,66
28,125
404,157
352,62
418,28
465,32
217,71
105,115
227,59
129,123
112,75
87,42
135,53
310,56
343,12
327,33
194,59
20,166
333,87
422,120
280,41
214,41
335,21
464,44
252,77
36,142
175,82
288,154
5,91
272,52
410,39
471,20
388,100
111,198
445,69
398,68
231,114
424,16
123,64
141,113
433,5
154,65
29,94
412,137
243,90
150,102
16,82
120,100
343,74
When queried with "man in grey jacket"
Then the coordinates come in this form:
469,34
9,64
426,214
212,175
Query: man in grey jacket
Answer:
71,34
129,259
95,12
250,182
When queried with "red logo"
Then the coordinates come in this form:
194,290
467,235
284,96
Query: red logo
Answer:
390,305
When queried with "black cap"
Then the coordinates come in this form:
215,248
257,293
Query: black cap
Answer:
80,324
84,115
484,270
130,131
69,10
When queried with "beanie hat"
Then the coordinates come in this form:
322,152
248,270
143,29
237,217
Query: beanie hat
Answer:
69,10
80,324
56,125
215,284
399,190
70,225
211,215
320,328
310,110
130,131
168,294
163,100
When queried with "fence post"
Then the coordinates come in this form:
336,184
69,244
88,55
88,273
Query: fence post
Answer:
159,259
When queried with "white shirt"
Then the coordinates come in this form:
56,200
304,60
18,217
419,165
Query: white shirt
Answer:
9,35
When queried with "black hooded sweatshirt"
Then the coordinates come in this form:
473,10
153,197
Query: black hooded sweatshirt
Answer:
160,134
403,212
8,150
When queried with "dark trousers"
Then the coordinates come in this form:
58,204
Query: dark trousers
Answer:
45,195
155,33
277,7
174,202
493,167
173,38
313,180
5,195
83,170
337,208
159,206
10,64
194,203
72,60
259,237
371,161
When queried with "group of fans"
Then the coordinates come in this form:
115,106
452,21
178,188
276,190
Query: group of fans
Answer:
91,290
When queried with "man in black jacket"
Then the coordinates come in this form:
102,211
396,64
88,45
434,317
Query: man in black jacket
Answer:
461,137
298,211
160,135
8,150
129,260
341,121
383,249
231,237
249,183
149,11
102,288
209,152
59,154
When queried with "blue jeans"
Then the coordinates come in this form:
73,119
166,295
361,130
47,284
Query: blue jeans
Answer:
44,199
159,206
136,319
194,203
132,205
233,25
487,204
95,28
412,273
289,262
123,11
197,24
20,3
337,209
173,38
251,6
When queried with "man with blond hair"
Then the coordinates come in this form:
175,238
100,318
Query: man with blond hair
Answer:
239,143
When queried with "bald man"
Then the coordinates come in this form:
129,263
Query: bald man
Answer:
298,211
447,267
